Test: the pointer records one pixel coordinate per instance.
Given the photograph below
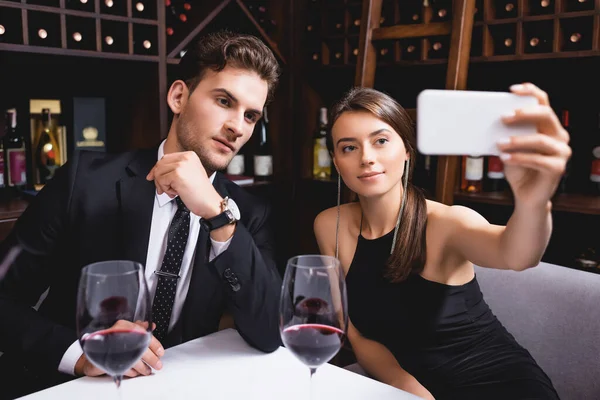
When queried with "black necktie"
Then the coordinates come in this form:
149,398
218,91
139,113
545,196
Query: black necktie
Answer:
168,275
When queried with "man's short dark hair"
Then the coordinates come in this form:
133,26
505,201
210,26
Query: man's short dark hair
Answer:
220,49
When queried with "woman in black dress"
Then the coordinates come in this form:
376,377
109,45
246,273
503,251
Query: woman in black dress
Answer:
418,319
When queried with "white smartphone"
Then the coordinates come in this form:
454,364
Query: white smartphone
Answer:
465,122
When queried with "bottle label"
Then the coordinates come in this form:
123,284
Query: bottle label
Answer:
17,167
263,165
236,166
495,168
323,158
474,170
1,169
595,175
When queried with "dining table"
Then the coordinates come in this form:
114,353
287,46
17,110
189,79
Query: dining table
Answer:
223,366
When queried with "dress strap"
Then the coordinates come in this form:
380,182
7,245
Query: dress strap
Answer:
360,227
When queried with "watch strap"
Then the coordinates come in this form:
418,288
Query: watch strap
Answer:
218,221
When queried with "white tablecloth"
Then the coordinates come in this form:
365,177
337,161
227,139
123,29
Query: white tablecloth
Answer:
223,366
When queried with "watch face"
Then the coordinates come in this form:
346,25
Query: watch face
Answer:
234,209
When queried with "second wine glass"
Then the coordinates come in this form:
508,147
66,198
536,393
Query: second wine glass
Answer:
313,309
113,315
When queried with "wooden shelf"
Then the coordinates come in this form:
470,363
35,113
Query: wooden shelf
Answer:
75,52
76,13
61,21
522,23
262,32
211,10
577,203
12,208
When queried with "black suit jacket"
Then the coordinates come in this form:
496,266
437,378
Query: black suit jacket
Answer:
99,207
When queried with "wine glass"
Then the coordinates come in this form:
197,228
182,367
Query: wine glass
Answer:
113,315
313,310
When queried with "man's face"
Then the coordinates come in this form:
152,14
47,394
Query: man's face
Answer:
219,116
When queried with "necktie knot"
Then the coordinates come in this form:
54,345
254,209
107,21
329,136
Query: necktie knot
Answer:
180,205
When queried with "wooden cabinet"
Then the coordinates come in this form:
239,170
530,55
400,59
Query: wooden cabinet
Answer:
9,213
554,44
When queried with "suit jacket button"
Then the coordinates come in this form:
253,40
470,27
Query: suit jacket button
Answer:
228,274
235,286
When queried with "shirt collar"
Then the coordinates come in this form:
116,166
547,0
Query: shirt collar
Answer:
164,198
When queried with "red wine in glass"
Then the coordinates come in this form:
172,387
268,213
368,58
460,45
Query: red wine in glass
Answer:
313,344
113,315
115,351
313,312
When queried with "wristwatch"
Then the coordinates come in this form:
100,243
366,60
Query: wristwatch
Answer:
230,214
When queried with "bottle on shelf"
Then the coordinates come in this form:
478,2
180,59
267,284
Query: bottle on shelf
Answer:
577,33
237,171
442,11
175,15
506,9
578,5
562,186
504,38
595,165
263,157
495,181
47,150
473,174
321,157
538,36
410,49
541,7
15,155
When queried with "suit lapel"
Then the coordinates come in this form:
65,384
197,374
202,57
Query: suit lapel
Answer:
136,202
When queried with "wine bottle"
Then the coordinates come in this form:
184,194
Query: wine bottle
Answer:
495,181
474,174
579,5
595,167
263,158
504,39
506,9
47,150
321,157
541,7
438,48
15,165
576,36
539,38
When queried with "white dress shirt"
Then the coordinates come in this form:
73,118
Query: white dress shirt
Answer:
162,214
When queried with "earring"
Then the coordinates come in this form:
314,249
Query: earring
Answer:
405,187
337,225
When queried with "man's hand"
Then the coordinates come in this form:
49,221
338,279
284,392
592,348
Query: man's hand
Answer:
182,174
151,358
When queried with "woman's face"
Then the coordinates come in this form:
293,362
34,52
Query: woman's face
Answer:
368,153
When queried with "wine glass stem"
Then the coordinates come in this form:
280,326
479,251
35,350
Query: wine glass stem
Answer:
118,379
312,385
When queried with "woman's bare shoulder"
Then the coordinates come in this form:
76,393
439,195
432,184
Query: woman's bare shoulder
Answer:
327,218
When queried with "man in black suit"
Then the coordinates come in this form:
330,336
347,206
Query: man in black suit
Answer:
101,207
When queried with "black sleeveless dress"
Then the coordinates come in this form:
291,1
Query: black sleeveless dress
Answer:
445,336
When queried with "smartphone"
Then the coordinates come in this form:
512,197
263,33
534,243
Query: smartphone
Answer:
465,122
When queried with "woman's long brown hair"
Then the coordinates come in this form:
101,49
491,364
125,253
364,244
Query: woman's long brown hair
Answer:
409,253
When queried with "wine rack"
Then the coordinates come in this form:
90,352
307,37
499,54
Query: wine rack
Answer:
185,19
121,29
503,30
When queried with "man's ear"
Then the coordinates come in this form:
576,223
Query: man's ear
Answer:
177,96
